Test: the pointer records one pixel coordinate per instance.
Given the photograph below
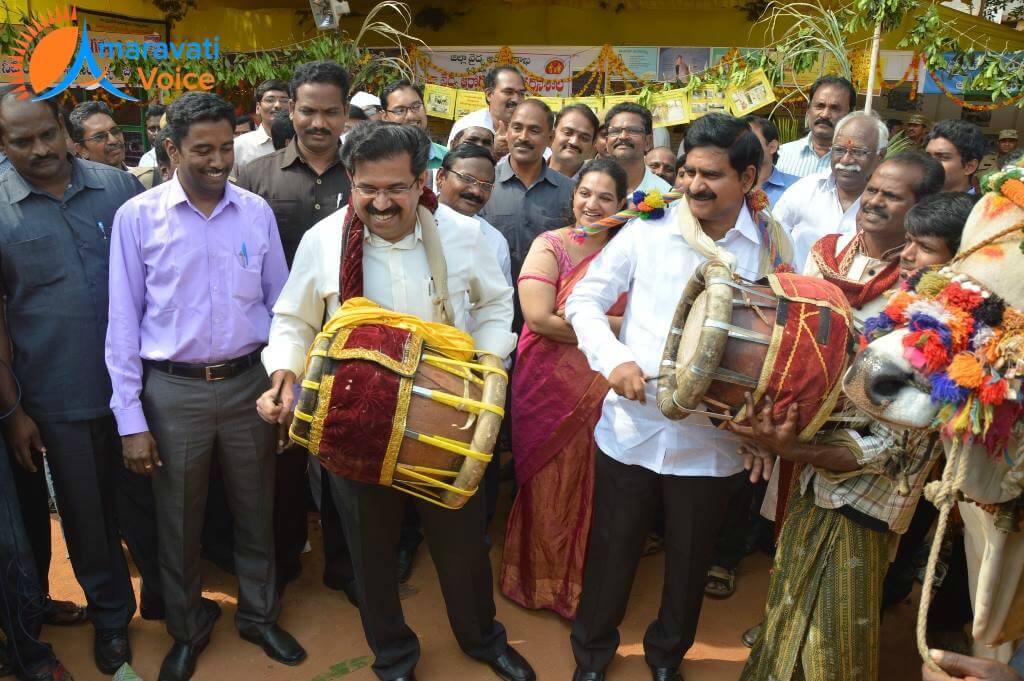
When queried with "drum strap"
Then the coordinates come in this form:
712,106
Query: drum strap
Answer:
437,265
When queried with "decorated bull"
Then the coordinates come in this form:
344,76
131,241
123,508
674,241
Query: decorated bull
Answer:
947,353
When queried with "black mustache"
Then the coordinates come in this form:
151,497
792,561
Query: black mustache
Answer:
318,131
383,213
569,145
523,145
879,213
44,159
624,143
471,197
824,121
702,196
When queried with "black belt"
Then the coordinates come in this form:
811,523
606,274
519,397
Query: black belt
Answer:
208,372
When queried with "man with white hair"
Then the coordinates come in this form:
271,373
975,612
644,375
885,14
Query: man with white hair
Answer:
827,202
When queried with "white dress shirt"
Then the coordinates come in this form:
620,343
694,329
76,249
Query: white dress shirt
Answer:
799,158
810,209
148,159
652,261
651,181
252,145
395,276
496,240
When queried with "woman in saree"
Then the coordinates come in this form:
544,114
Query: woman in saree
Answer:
556,404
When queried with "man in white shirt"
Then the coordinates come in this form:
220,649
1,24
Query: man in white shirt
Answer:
389,248
691,466
271,97
464,183
827,202
153,115
832,97
630,137
504,89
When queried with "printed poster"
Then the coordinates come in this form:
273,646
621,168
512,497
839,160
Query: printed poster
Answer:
612,100
452,64
642,61
595,103
751,55
439,100
467,101
753,94
670,108
677,64
707,99
554,103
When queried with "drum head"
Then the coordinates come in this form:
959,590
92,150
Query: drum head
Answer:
689,341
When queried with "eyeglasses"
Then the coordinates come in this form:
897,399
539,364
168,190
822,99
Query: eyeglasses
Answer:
627,132
101,137
392,193
371,110
402,110
859,153
472,181
272,101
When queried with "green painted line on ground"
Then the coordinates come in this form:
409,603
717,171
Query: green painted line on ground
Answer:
344,668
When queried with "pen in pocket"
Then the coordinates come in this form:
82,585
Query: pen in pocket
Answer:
244,255
102,228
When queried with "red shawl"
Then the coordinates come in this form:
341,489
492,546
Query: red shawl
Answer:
835,267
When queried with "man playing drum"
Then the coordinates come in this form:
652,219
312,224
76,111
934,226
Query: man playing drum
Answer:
854,489
690,465
399,239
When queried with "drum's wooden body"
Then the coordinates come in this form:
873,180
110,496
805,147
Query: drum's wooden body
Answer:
442,425
787,337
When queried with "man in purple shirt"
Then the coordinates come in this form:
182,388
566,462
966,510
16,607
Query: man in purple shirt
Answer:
196,265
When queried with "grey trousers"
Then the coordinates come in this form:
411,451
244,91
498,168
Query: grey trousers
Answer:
193,420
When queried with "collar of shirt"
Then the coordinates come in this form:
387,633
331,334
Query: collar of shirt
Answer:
292,154
259,135
780,179
81,176
176,195
406,243
504,172
744,228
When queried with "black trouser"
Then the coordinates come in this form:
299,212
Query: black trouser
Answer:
21,598
731,544
625,499
372,516
136,520
337,560
291,506
86,463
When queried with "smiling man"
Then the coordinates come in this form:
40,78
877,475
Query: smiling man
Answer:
832,97
196,265
504,89
97,137
387,245
528,197
827,202
630,137
662,162
575,134
403,103
689,465
934,227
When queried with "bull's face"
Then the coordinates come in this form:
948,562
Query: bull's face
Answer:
882,383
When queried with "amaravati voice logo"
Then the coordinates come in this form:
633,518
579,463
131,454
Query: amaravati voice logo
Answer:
52,53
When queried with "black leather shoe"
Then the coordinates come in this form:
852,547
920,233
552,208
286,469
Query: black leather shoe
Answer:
511,666
180,663
405,557
666,674
749,637
580,675
111,649
277,643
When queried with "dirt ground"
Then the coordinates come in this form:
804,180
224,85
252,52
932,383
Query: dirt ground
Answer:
324,622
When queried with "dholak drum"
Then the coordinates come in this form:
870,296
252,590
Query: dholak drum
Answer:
787,336
380,405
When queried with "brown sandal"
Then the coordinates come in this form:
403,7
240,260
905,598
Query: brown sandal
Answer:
721,582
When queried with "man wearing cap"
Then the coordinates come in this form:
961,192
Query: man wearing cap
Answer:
916,130
1005,146
370,104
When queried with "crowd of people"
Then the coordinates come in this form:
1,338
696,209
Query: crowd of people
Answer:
196,282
